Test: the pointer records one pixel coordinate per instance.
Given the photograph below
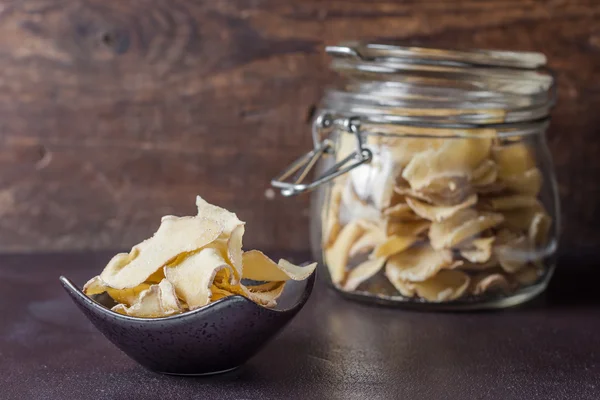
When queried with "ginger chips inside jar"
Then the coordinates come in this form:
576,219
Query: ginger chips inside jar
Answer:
433,184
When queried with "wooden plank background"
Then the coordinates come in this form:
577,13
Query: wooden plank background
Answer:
113,113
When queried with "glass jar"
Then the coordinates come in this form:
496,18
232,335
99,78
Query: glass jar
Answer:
435,186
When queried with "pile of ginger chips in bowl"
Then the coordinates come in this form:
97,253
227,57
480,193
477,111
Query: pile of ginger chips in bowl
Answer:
189,263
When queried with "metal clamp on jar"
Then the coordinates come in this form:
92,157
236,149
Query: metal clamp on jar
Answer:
434,184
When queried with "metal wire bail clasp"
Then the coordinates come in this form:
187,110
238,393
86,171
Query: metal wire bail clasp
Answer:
290,180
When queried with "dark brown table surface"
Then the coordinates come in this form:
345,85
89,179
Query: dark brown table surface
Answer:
334,349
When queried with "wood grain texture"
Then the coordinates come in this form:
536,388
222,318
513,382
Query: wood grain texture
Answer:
113,113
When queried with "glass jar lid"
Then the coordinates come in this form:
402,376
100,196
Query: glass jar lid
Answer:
418,92
394,84
491,58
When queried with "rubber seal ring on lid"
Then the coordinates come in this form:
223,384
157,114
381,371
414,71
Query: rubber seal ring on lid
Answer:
292,180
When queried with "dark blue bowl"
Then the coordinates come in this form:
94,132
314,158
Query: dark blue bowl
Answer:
216,338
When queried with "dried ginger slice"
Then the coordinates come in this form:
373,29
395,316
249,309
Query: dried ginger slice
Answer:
520,219
406,228
512,202
443,191
331,215
446,285
405,288
513,251
368,225
266,298
193,277
439,213
233,231
480,266
479,250
259,267
217,293
463,225
449,190
362,273
147,306
125,296
234,250
176,235
397,198
403,190
367,242
495,188
539,229
156,301
485,174
513,159
228,220
527,276
400,212
169,301
230,249
455,158
336,257
418,264
160,274
264,287
528,182
488,282
393,245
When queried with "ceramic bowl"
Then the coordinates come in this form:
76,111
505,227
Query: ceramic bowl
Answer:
216,338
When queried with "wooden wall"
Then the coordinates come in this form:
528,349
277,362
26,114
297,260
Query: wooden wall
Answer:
114,112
